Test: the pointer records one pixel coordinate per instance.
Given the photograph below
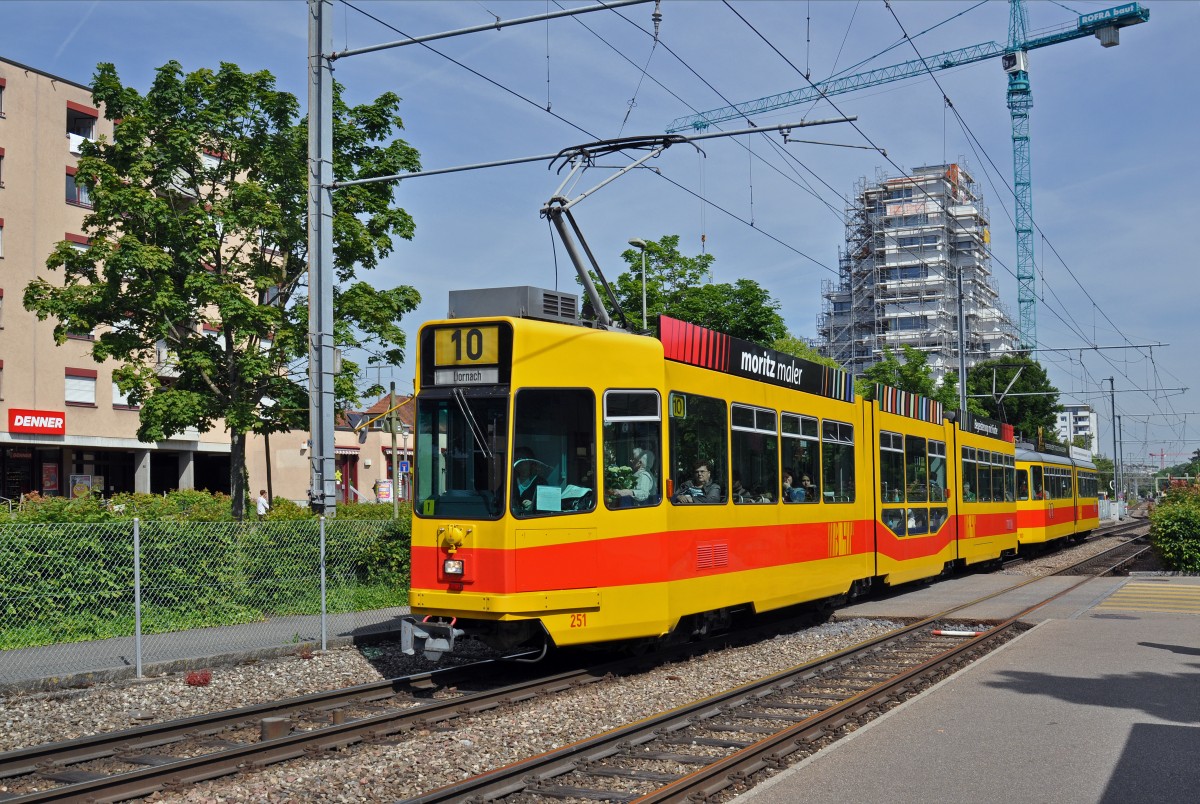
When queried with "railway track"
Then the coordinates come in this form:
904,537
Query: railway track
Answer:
842,690
703,751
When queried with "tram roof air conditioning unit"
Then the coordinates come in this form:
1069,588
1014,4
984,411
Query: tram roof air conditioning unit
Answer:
518,302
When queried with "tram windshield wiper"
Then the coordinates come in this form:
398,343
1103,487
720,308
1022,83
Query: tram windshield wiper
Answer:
476,430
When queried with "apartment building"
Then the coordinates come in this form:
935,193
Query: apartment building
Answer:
67,429
1079,420
66,426
907,241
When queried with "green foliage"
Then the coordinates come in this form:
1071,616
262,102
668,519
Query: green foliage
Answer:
677,285
913,374
1030,404
66,566
1175,528
199,217
791,345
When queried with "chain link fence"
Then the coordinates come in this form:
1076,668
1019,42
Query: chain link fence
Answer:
85,598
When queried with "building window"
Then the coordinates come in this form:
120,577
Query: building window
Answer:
1,166
77,193
1,97
81,124
121,401
80,387
1,238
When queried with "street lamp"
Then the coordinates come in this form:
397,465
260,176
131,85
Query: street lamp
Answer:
636,243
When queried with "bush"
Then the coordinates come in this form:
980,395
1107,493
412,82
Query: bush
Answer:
1175,529
66,565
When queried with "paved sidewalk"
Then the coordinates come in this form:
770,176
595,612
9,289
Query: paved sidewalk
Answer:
78,663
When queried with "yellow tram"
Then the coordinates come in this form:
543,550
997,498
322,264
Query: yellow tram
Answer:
577,485
1057,493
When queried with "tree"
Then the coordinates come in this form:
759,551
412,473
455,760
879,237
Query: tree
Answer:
1029,406
913,374
676,285
198,250
791,345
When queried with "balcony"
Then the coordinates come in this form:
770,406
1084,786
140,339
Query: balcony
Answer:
77,141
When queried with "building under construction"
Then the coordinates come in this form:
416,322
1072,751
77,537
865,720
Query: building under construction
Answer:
907,241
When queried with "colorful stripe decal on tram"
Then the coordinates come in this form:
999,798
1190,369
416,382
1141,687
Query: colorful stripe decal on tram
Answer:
906,403
706,348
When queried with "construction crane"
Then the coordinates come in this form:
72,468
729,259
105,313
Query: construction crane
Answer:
1104,25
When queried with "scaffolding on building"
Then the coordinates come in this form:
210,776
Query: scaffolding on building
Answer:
906,240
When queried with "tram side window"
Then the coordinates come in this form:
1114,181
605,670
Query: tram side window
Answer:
632,446
891,470
937,472
1009,478
461,457
997,477
801,456
837,461
969,483
554,452
754,442
917,469
1036,478
699,439
1064,484
1022,484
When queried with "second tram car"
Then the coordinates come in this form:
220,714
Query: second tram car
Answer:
1057,493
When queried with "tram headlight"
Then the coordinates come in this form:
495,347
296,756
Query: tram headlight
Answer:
452,566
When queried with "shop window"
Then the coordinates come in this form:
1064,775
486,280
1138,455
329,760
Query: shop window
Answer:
632,446
80,387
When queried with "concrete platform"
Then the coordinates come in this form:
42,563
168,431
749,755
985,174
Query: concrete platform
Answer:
1099,702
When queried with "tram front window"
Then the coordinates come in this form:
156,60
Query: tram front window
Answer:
553,464
461,457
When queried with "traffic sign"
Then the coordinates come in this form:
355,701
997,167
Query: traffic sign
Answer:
404,467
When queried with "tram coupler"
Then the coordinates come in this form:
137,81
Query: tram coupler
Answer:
431,637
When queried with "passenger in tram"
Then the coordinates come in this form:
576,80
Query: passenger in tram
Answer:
968,495
793,493
808,488
701,488
786,494
644,483
526,479
737,491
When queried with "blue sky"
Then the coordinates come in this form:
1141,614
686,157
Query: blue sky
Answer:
1114,157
